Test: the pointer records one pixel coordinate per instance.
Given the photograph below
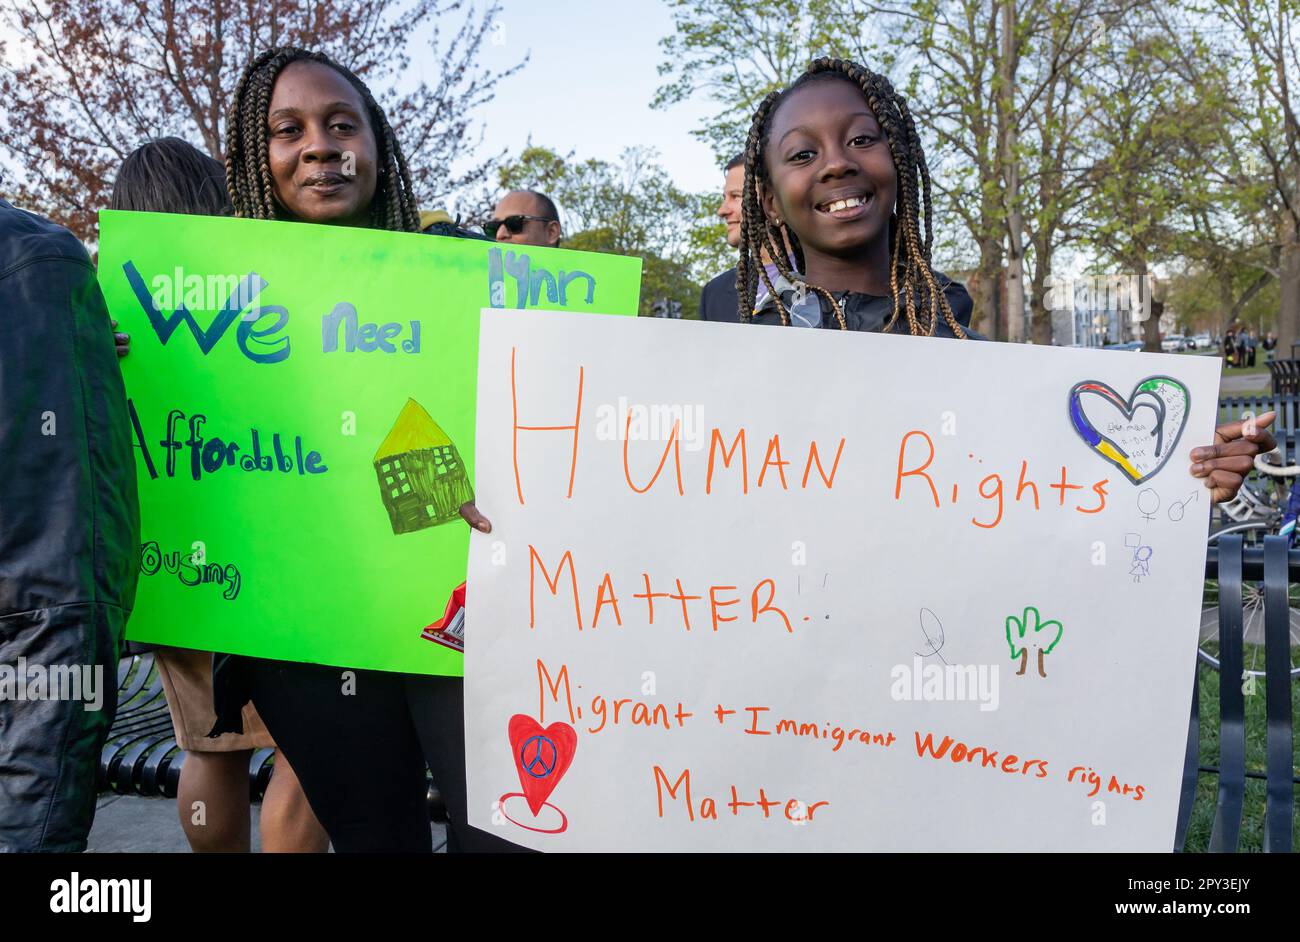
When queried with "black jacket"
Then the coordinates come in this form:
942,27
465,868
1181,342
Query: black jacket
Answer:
718,299
69,523
869,312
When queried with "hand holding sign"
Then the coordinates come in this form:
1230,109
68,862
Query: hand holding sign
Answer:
1225,464
475,519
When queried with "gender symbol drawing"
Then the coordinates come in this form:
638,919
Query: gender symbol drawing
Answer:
422,478
1032,630
1179,507
542,756
1135,441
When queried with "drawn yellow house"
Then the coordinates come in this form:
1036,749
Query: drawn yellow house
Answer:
422,478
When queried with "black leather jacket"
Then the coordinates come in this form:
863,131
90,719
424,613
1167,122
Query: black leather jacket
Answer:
69,522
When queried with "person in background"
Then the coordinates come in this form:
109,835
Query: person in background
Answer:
439,222
525,217
1252,341
1230,348
69,533
170,175
718,298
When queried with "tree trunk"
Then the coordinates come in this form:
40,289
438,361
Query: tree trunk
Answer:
1013,290
1151,332
1288,320
1040,313
1013,302
1146,302
985,296
1227,314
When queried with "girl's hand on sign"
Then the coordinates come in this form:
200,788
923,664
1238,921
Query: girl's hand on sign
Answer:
1225,464
476,519
121,341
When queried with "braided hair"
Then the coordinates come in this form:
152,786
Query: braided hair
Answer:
916,292
248,173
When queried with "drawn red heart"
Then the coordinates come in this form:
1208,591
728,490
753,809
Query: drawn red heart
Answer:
542,756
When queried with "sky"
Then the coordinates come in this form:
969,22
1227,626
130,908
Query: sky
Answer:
588,85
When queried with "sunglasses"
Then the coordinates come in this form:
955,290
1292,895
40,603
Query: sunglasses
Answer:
514,224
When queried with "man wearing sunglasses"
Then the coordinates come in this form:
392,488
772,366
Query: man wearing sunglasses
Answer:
525,217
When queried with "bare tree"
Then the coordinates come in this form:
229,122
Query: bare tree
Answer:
90,80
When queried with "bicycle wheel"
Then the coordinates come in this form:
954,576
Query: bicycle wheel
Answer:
1252,533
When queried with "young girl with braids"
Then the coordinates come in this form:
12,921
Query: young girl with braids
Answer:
834,167
835,170
360,754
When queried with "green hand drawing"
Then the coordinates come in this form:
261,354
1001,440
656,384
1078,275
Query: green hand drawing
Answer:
1033,625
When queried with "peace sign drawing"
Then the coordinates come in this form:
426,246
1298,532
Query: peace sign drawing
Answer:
542,756
537,757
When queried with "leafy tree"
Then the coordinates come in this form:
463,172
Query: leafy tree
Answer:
735,52
1139,136
1196,293
93,79
1244,51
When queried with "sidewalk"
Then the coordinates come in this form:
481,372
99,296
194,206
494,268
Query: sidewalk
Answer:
131,824
1234,384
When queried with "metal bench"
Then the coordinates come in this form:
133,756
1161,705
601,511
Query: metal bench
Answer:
1287,408
1286,376
1233,564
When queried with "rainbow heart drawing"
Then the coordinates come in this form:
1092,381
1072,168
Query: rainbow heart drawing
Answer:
1138,448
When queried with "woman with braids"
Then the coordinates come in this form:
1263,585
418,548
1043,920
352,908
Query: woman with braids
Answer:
306,141
834,166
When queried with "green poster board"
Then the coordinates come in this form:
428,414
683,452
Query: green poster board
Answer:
303,398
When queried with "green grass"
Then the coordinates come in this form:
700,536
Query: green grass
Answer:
1259,369
1252,819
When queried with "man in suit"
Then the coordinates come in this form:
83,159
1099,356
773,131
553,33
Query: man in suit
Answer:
718,300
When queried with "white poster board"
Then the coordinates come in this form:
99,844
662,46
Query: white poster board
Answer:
979,635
